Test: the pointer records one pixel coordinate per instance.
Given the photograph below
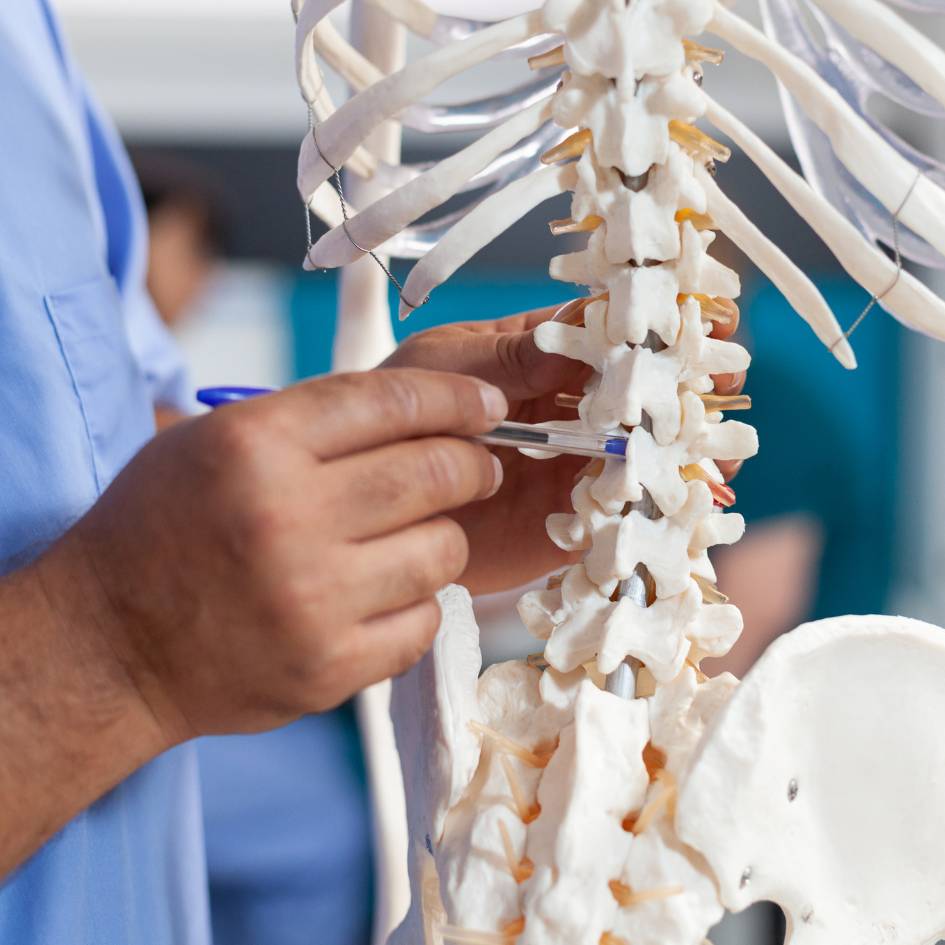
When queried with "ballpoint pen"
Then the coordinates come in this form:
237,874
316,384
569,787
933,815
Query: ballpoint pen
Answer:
545,438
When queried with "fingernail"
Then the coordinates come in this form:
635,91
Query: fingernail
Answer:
499,474
726,383
494,401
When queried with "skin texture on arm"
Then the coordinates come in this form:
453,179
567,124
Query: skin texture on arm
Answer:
246,568
771,575
73,724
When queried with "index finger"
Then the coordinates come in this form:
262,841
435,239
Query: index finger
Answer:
520,321
347,413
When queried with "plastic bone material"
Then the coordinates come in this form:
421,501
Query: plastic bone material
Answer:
859,74
553,804
818,785
904,296
866,155
631,127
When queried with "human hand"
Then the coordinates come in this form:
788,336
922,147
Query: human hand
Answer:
507,538
276,556
508,542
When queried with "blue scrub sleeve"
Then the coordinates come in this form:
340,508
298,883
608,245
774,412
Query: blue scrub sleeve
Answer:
157,355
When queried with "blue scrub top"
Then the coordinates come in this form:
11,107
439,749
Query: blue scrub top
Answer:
82,359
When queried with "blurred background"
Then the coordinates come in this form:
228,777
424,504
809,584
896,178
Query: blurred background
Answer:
844,501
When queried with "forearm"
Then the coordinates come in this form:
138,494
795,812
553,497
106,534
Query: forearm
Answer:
71,725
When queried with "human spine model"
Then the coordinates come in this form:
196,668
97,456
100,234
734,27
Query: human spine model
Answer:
541,795
656,293
563,833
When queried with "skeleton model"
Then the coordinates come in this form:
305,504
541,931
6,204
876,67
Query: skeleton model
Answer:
608,793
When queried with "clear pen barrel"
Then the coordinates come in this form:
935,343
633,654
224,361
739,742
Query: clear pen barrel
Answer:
555,440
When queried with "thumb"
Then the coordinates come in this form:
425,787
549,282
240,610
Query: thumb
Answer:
515,364
510,360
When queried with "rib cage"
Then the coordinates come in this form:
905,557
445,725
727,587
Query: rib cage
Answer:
857,72
866,181
517,843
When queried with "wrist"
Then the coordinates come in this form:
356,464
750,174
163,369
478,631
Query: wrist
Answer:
93,655
72,726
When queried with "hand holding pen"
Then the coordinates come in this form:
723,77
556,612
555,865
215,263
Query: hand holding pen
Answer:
526,436
508,543
544,438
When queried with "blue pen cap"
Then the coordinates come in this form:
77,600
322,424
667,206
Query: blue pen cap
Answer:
218,396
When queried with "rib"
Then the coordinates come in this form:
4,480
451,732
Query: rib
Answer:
508,165
878,27
909,301
418,239
479,227
311,13
477,114
327,207
340,134
311,81
358,71
391,214
414,14
362,162
793,284
867,156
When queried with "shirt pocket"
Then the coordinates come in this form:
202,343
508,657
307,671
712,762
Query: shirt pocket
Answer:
108,383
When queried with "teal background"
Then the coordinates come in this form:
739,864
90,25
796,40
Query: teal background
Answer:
470,295
828,437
